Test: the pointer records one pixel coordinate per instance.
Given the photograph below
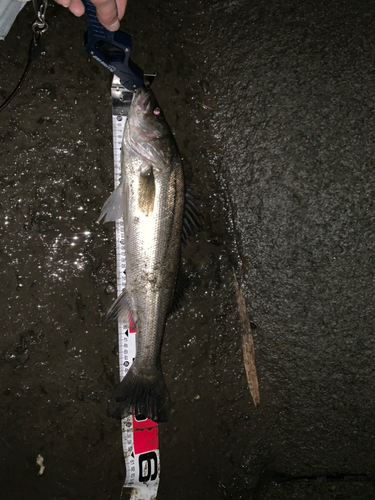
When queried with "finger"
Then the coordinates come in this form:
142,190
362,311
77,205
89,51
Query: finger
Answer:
121,6
64,3
106,11
77,7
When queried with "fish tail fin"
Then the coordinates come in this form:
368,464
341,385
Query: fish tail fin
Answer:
144,395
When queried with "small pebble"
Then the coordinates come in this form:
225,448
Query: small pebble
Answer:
110,288
205,86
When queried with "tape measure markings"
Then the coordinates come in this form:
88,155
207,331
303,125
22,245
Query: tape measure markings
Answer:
139,437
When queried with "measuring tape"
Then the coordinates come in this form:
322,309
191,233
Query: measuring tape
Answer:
139,437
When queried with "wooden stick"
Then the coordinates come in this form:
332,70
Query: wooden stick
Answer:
247,345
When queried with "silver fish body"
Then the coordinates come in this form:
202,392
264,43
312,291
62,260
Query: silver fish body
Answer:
151,199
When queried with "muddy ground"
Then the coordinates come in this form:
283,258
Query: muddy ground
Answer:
272,106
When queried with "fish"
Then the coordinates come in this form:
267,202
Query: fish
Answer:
159,215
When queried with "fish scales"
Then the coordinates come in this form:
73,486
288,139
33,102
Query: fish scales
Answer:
152,247
151,200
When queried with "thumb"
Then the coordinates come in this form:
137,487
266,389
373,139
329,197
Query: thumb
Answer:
106,11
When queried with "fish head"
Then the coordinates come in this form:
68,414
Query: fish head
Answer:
148,132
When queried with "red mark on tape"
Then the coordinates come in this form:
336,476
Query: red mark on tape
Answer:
131,324
145,435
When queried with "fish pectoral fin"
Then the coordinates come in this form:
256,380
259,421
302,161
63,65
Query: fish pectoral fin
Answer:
191,221
122,306
146,191
182,284
114,207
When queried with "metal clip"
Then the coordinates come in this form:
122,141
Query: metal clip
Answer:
40,24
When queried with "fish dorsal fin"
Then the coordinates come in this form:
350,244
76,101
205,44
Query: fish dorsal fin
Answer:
146,191
191,217
182,284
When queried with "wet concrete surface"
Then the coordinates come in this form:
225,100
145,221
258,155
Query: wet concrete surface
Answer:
272,106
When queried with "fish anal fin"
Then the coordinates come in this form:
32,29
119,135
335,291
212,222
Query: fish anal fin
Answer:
122,307
182,285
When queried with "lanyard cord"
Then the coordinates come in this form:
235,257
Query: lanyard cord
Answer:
39,27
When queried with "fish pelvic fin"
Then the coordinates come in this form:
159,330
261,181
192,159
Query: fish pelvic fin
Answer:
114,207
145,395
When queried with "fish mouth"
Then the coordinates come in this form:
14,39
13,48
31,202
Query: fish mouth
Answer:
146,127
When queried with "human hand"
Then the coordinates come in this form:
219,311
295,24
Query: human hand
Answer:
109,12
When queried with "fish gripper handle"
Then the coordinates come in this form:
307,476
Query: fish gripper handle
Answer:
112,49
